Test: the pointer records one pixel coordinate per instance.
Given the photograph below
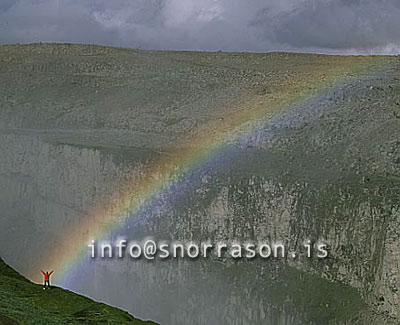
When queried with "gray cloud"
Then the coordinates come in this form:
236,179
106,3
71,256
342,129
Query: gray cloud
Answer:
331,26
343,24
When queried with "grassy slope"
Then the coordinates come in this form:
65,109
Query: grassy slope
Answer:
22,301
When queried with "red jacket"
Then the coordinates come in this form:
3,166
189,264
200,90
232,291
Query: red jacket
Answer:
47,275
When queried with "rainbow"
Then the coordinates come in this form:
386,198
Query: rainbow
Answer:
207,140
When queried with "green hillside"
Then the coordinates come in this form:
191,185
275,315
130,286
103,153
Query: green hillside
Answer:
24,302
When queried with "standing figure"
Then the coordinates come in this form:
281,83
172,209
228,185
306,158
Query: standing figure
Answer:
46,275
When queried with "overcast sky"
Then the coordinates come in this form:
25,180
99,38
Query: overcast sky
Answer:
329,26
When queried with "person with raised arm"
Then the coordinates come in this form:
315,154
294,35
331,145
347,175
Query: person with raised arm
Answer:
46,275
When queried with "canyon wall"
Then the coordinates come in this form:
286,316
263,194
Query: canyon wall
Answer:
46,186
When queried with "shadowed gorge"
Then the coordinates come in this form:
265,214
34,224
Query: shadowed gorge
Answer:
308,147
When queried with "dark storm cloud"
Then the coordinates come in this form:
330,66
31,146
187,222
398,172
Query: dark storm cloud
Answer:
6,4
341,26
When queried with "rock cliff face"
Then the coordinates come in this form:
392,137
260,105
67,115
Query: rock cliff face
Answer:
363,249
326,170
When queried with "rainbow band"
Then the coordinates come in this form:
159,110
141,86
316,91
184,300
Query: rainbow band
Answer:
209,139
